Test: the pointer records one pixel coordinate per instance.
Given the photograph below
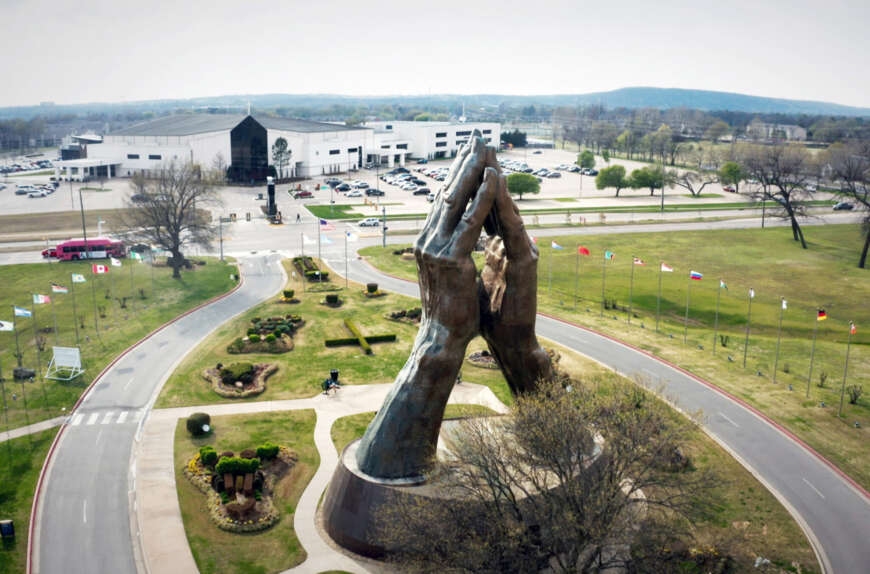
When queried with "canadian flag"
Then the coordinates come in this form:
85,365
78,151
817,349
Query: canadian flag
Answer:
99,269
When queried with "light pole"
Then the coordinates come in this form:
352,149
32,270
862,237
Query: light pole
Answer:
385,227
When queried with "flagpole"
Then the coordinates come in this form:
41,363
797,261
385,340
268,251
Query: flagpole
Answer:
151,252
603,279
6,413
748,326
112,292
15,328
550,270
72,288
659,299
54,317
345,259
304,278
778,339
38,352
716,320
845,370
94,293
686,318
317,223
813,353
576,274
630,290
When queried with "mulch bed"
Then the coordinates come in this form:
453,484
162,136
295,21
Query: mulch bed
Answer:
482,359
262,372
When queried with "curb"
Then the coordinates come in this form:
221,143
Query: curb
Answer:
84,395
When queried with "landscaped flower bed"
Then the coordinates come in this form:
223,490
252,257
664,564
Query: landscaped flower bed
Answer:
411,316
483,359
270,335
240,489
239,380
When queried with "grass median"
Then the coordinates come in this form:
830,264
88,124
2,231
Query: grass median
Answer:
769,261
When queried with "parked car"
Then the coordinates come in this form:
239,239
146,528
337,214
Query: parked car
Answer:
332,181
355,193
24,190
303,194
370,222
421,191
374,192
554,174
40,193
730,189
591,172
422,160
342,187
574,169
430,198
844,206
537,152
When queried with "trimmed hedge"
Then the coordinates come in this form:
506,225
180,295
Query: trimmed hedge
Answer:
196,421
270,338
236,465
317,276
267,451
208,455
388,338
340,342
372,287
351,326
332,299
289,293
243,372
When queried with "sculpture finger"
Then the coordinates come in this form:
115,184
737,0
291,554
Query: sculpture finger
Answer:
509,225
465,182
468,229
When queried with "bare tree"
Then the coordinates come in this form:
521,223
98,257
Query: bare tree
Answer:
692,181
168,212
565,482
850,168
783,172
219,168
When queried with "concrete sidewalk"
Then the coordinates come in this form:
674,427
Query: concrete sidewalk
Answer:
160,527
30,429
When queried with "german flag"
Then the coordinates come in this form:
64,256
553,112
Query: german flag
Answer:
822,315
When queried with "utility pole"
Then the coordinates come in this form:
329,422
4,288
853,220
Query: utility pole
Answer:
385,227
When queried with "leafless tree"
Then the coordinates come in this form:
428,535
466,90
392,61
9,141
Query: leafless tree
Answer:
692,181
168,211
784,173
850,168
535,491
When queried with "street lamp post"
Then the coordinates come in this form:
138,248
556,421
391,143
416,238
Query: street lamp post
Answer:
385,227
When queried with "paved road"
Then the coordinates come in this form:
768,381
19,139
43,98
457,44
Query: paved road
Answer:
84,516
835,513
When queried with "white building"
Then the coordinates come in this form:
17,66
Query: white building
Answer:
243,145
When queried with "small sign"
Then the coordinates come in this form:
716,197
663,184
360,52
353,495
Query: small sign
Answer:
7,529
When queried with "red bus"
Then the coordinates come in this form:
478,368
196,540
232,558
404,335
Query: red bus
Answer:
98,248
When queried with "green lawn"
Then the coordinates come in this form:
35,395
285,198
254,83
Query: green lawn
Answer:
17,483
745,518
302,370
120,327
769,261
272,550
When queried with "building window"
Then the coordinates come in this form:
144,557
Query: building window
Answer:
334,151
351,150
441,135
440,144
465,133
401,146
488,140
385,146
154,156
487,131
389,127
132,156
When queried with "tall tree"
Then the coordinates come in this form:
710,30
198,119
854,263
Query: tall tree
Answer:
716,131
520,183
586,159
784,172
613,176
692,181
850,168
168,212
649,177
731,173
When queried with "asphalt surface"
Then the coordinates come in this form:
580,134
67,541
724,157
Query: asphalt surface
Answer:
833,512
84,522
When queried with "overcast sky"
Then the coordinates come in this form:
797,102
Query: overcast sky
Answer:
119,50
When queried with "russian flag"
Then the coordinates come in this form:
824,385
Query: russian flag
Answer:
695,275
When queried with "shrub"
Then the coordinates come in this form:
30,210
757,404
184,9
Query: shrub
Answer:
225,498
255,320
254,338
388,338
226,454
372,287
414,313
823,376
243,372
288,293
196,421
340,342
271,338
252,331
786,368
236,346
332,299
267,451
854,393
237,465
208,455
351,326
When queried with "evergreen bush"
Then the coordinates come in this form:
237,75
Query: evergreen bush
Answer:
372,287
208,455
243,372
254,338
196,421
267,451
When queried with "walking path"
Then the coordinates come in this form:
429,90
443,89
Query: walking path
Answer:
31,429
164,543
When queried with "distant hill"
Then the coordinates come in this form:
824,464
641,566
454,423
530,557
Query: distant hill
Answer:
637,97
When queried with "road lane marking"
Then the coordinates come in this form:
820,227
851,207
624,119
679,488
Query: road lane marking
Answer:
107,418
93,418
721,414
816,490
85,511
77,419
122,417
99,434
127,384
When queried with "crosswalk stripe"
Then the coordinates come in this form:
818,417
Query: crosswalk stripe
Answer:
136,416
93,418
77,419
107,418
122,417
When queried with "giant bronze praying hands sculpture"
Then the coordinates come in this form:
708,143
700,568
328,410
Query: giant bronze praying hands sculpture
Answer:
499,304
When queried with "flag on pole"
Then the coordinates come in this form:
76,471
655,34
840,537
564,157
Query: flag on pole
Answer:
535,240
751,293
695,276
55,288
609,255
852,329
7,326
822,315
555,245
326,226
115,262
784,304
667,268
136,255
41,299
21,312
325,240
78,278
99,269
352,236
722,285
582,250
638,261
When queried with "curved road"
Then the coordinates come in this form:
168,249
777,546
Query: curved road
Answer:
834,513
83,519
